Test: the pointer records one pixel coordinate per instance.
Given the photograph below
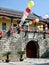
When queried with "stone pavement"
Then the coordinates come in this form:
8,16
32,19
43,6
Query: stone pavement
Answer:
29,61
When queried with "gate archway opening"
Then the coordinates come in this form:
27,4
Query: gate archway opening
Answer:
32,49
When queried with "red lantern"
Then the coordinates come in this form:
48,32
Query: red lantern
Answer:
28,10
3,17
0,33
33,21
17,20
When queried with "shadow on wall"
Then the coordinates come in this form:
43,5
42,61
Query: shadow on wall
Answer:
45,54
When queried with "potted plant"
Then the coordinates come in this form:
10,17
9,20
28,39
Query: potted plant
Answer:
21,53
7,56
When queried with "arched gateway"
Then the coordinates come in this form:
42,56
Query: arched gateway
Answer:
32,49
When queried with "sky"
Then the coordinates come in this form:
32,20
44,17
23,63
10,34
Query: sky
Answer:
40,8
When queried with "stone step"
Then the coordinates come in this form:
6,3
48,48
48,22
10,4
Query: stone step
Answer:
34,60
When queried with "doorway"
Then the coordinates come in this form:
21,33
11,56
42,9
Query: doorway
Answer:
32,49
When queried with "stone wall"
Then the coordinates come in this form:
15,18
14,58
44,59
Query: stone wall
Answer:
19,41
43,43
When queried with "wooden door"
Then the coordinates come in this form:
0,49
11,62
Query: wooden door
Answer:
31,50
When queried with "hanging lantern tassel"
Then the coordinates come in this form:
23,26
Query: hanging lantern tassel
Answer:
46,27
47,31
12,31
20,28
41,27
38,30
2,35
29,29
